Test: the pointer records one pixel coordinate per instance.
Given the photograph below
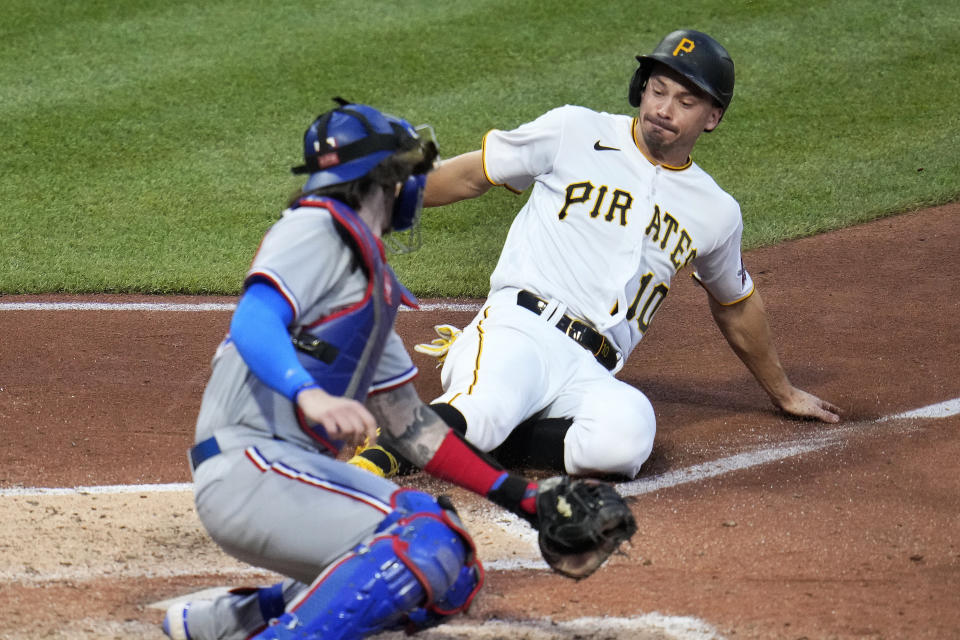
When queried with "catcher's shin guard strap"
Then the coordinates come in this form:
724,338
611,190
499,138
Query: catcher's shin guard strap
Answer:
271,602
457,599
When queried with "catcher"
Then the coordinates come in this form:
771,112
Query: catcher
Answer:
312,363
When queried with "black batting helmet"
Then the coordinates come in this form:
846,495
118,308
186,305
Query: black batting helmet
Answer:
694,55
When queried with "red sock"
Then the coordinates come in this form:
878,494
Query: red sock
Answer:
456,462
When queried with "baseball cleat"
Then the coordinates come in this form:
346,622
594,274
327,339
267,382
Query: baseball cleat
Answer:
175,622
382,460
376,460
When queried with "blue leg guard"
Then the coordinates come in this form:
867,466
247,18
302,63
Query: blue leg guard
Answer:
456,599
419,567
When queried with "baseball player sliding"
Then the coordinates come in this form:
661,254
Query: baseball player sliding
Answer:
618,208
311,363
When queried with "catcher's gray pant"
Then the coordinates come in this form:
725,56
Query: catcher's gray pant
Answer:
510,364
277,506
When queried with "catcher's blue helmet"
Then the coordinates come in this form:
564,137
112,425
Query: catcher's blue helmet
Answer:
346,143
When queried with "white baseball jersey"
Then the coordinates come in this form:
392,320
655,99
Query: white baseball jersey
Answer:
602,235
605,229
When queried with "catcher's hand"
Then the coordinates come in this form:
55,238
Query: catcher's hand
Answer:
581,523
438,347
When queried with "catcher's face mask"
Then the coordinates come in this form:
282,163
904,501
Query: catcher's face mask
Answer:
404,235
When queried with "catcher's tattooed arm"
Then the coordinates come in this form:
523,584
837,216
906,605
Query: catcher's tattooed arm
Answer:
408,424
422,437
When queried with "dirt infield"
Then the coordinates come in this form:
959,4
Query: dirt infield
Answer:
752,525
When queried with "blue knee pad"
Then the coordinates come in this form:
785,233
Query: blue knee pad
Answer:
468,579
419,567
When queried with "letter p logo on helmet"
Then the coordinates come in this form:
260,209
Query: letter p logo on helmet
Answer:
685,45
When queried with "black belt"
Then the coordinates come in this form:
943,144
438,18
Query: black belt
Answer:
203,451
581,333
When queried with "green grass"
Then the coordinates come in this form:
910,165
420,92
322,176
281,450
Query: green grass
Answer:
146,144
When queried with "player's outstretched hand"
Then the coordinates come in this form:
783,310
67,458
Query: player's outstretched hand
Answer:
343,418
806,405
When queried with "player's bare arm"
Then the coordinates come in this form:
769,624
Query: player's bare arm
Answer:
458,178
746,329
408,424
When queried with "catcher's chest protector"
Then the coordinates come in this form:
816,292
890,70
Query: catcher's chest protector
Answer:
341,351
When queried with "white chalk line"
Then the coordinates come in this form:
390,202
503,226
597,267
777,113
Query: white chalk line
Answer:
666,480
188,307
95,490
940,410
720,467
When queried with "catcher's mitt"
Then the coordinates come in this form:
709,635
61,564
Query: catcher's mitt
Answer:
581,523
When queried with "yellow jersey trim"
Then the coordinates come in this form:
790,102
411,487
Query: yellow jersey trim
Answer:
669,167
483,161
723,304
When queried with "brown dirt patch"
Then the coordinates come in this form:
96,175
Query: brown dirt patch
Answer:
854,540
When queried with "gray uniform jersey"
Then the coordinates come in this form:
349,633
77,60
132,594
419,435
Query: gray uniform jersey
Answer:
305,258
271,498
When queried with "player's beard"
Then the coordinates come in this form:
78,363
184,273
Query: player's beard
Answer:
664,141
655,140
656,145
